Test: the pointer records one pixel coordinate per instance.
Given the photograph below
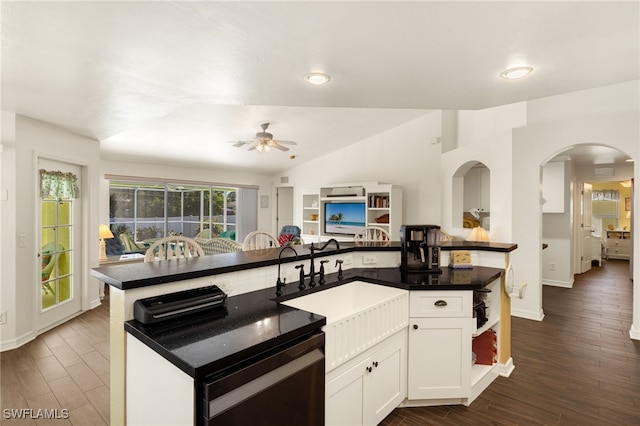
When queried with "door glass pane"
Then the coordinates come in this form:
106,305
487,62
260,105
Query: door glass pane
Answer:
64,287
55,253
64,212
64,237
48,213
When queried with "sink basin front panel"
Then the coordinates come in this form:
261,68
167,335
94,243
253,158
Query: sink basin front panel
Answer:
359,315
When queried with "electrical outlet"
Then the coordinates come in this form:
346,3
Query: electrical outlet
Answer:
3,317
369,259
348,260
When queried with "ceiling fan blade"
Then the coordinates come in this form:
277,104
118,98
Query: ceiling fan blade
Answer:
276,145
285,142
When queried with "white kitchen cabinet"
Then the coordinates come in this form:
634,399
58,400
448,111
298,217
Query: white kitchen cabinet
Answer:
441,333
366,389
477,193
439,358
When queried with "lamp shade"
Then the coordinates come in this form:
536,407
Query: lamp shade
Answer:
104,232
478,234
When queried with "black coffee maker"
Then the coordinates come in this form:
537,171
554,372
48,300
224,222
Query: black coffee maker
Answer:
420,248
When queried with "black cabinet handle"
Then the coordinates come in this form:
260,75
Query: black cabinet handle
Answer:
369,369
440,303
415,326
375,363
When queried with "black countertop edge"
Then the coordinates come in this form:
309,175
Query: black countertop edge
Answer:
476,245
142,274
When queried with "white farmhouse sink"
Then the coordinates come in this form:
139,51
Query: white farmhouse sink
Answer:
359,315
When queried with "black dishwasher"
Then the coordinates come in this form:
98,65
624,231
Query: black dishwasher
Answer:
284,385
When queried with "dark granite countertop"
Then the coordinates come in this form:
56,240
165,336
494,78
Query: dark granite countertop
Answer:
132,274
248,325
254,322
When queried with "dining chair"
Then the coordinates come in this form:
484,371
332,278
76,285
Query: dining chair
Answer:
372,234
258,240
173,247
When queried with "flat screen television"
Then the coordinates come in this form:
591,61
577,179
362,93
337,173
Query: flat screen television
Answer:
344,218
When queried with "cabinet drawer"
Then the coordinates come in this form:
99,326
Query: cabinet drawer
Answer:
441,304
619,243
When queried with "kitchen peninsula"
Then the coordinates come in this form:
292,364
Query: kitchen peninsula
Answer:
249,278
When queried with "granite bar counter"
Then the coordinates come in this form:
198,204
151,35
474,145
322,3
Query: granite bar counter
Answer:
133,275
133,281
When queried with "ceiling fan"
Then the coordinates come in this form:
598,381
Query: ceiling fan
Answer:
264,141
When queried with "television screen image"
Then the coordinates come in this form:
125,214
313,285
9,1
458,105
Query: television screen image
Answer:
344,218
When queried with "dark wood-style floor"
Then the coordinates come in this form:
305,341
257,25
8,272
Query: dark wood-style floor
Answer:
576,367
66,368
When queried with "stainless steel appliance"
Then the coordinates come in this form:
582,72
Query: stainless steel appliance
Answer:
284,385
420,248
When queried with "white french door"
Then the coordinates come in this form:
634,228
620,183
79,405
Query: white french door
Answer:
59,284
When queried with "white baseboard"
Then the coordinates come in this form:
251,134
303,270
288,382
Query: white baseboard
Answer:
554,283
95,303
507,368
634,333
521,313
7,345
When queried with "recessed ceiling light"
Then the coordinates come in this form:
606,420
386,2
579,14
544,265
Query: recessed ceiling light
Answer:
516,73
317,78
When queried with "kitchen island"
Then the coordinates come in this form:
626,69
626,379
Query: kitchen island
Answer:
253,275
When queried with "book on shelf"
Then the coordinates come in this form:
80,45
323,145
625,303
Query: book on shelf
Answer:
378,201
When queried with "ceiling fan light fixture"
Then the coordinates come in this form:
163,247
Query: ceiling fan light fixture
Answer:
516,73
263,147
317,78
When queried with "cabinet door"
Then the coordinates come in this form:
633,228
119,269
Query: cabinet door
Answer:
343,403
385,385
439,358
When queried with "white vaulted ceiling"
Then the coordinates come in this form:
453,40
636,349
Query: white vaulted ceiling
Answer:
174,81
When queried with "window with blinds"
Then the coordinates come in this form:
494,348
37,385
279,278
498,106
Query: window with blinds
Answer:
604,209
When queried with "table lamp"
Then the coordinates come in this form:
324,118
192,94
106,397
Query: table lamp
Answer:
478,234
104,232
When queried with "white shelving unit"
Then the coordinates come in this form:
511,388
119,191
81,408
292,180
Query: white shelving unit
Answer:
383,204
310,217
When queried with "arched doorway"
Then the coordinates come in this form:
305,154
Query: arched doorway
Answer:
572,229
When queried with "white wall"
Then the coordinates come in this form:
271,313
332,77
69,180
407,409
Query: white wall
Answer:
401,156
557,232
33,139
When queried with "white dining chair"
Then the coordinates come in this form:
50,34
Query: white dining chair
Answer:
258,240
372,234
173,247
